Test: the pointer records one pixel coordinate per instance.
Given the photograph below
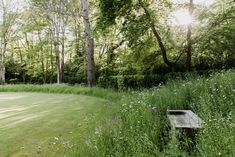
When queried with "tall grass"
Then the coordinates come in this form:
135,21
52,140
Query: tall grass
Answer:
137,131
62,89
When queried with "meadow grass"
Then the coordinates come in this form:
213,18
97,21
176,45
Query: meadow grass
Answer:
62,89
138,132
130,129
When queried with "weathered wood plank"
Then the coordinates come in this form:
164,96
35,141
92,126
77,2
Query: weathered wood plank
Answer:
184,119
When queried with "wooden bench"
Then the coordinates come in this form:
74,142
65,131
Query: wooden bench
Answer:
185,119
186,123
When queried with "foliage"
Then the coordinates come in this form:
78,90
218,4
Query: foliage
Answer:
140,131
110,10
215,42
124,40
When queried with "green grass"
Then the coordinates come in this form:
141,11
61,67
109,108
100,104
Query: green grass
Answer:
37,124
139,133
126,127
62,89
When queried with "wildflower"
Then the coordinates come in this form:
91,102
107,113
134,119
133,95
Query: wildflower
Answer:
153,109
97,131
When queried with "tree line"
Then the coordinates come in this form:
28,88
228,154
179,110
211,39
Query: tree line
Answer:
105,41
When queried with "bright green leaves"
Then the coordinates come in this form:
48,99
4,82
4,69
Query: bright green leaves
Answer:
216,37
111,9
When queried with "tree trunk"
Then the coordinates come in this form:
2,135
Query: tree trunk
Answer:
51,53
3,54
110,52
51,58
21,63
57,56
62,56
42,59
189,40
77,39
89,44
62,64
157,36
55,39
3,46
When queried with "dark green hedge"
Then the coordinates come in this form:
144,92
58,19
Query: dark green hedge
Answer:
130,81
146,81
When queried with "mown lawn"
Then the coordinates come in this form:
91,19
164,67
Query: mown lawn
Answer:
37,124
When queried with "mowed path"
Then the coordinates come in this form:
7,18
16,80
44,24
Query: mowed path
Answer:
34,124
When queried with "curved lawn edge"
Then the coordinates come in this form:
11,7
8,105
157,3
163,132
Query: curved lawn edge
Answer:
33,119
108,94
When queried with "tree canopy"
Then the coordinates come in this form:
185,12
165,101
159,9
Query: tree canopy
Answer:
135,41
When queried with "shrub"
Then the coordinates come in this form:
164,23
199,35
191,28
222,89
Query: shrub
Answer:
13,81
131,81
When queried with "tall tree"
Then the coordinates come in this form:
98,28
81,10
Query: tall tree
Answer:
3,42
8,19
189,40
89,44
215,36
55,11
139,20
157,36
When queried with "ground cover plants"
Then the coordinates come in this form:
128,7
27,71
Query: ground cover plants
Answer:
134,123
138,131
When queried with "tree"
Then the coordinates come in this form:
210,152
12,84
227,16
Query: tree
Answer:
157,36
137,15
189,40
215,39
132,37
89,44
55,13
8,20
